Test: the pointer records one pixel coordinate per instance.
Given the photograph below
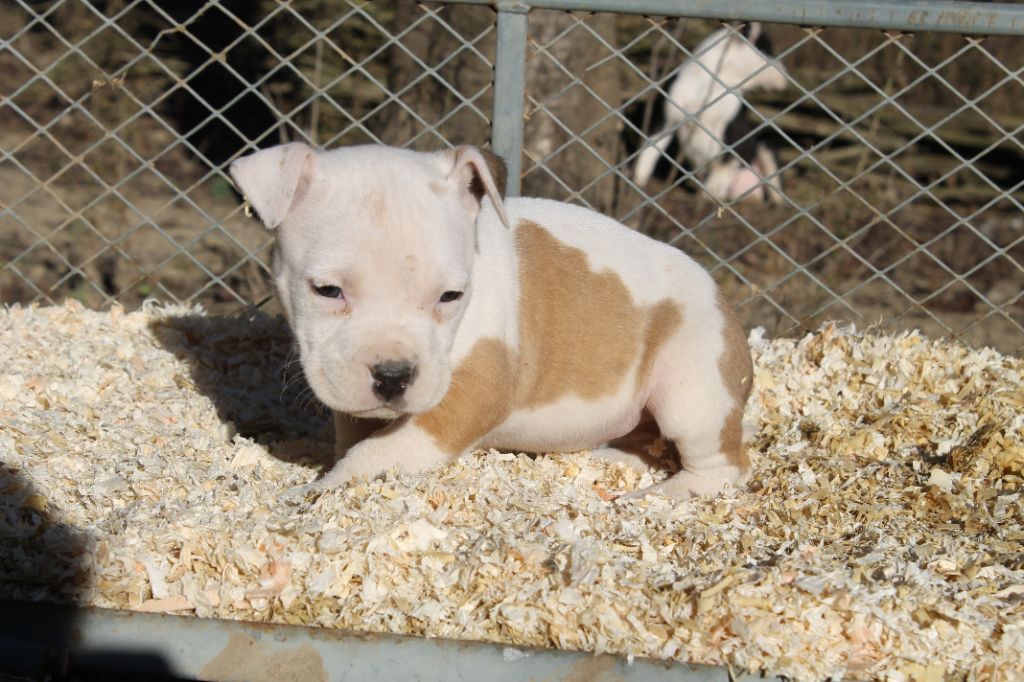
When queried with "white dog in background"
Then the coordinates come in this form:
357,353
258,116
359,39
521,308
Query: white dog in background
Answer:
435,317
705,115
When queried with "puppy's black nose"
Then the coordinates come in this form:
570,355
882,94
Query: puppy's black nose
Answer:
391,378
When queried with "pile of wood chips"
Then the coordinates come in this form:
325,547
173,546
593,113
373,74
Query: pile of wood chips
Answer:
143,457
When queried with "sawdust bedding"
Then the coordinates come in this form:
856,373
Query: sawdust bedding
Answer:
144,455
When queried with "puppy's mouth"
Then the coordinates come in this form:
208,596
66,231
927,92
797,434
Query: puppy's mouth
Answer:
382,412
357,396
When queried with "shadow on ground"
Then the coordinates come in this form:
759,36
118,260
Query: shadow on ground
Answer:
40,560
43,563
244,364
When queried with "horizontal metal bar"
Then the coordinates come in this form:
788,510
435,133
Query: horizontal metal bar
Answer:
46,639
948,16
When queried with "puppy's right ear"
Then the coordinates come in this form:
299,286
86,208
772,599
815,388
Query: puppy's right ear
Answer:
275,180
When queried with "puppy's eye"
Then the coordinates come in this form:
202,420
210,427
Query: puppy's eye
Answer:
449,296
327,290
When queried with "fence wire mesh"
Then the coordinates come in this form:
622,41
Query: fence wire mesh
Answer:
897,156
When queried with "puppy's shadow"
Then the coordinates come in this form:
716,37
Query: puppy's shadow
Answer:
245,365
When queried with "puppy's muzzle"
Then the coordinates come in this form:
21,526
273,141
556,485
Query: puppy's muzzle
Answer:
391,378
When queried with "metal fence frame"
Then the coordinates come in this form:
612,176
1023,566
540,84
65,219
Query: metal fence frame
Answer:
968,18
509,87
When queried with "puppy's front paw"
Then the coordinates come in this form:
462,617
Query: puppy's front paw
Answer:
299,492
334,478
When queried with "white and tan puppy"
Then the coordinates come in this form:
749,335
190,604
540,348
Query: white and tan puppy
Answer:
435,317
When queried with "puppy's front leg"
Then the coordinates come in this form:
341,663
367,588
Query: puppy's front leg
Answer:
478,401
348,431
401,444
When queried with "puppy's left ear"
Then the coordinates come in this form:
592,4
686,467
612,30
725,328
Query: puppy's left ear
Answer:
480,173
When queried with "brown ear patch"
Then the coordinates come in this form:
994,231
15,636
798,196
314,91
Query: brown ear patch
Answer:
737,371
498,170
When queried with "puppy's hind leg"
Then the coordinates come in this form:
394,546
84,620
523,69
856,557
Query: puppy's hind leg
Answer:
712,455
699,407
642,448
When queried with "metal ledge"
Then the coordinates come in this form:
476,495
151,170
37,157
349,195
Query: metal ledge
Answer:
45,640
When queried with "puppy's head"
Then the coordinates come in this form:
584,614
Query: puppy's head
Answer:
373,263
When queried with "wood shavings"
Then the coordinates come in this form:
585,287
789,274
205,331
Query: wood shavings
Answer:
274,578
143,456
178,602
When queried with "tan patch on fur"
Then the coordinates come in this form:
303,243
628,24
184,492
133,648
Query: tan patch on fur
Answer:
737,371
579,333
662,322
578,329
480,398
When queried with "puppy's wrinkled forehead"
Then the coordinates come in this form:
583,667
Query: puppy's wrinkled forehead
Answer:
389,208
382,188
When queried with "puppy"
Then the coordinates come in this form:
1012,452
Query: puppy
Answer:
435,317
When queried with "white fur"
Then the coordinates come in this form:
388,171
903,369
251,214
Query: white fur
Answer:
394,229
702,101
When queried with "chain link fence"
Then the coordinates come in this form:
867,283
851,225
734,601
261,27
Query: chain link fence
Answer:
895,137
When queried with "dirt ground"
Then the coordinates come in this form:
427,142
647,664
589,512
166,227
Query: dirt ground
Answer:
145,240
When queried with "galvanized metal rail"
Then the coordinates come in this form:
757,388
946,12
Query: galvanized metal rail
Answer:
41,640
969,18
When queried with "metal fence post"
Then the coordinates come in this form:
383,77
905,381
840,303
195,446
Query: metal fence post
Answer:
510,89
